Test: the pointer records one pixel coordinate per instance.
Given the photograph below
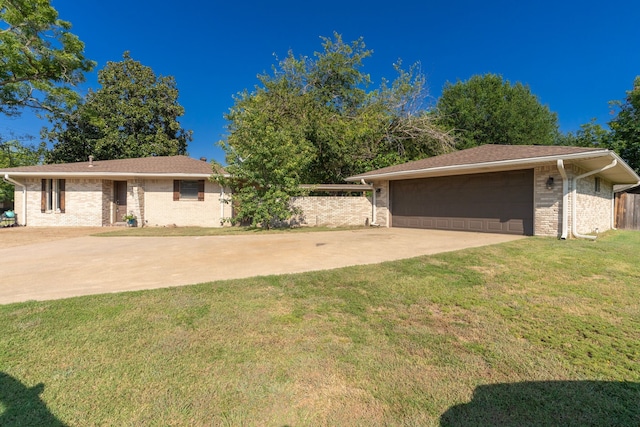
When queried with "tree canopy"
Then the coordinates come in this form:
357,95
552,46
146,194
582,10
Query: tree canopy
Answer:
133,114
315,120
488,110
625,127
41,59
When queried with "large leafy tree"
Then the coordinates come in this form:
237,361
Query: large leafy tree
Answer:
315,120
42,60
625,127
134,114
488,110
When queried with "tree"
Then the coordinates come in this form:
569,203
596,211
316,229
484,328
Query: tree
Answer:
134,114
41,59
487,110
314,120
589,135
625,127
14,153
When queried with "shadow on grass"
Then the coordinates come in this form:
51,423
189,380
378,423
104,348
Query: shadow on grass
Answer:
549,403
22,405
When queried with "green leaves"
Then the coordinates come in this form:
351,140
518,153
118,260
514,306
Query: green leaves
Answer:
487,110
42,60
625,127
134,114
313,120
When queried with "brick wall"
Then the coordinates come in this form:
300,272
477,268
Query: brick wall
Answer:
83,204
161,210
333,211
594,208
547,202
88,202
383,212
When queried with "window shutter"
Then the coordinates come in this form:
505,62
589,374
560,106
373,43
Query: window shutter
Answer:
176,190
201,190
43,197
61,194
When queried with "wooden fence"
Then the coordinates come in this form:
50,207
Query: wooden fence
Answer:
628,211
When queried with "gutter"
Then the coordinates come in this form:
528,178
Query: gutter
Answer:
565,200
574,226
24,196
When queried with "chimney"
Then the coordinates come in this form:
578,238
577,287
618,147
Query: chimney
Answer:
204,159
90,161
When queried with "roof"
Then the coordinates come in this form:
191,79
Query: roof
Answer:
488,158
161,166
336,187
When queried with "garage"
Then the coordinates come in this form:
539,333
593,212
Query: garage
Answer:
496,202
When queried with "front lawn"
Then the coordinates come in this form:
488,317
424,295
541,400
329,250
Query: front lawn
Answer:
533,332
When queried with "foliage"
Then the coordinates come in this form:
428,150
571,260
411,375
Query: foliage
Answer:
625,127
41,59
14,153
488,110
134,114
313,120
589,135
532,332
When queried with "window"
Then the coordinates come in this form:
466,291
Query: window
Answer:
188,189
597,185
52,197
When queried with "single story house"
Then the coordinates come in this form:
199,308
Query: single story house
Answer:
513,189
158,191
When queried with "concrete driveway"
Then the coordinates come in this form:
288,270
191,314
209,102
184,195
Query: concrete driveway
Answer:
93,265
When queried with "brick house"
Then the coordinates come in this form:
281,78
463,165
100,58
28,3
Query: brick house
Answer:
159,191
512,189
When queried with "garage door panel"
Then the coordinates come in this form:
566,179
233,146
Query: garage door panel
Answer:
500,202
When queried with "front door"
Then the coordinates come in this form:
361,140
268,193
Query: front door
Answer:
120,199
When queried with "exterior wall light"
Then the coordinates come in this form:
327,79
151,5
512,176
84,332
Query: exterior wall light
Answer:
550,183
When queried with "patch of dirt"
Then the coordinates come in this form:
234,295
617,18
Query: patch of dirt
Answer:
20,236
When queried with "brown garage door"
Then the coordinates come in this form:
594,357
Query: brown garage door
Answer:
498,202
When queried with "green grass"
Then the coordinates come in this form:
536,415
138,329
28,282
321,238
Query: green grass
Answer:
533,332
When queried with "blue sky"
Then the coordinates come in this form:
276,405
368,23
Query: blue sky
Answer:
575,55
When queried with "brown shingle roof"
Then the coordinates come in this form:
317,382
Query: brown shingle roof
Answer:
479,155
170,165
483,154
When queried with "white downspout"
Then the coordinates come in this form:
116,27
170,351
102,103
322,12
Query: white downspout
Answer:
373,202
565,200
24,196
613,210
574,226
221,204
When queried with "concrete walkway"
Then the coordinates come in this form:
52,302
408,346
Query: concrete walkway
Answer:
92,265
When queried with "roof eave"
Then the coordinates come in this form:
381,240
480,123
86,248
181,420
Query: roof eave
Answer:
479,167
111,175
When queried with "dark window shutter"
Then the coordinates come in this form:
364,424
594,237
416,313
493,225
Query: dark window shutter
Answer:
43,197
201,190
61,194
176,190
